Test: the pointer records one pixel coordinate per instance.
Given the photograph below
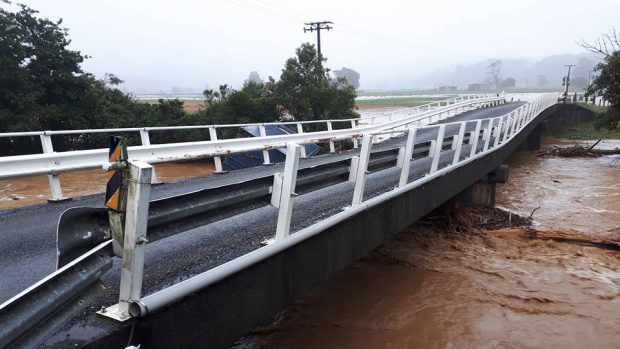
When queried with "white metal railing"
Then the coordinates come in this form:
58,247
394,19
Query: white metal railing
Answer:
53,163
582,98
499,129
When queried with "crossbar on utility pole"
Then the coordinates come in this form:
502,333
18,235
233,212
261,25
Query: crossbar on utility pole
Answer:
317,27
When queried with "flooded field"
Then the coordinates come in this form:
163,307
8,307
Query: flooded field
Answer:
35,190
455,283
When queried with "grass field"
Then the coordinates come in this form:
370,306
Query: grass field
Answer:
398,102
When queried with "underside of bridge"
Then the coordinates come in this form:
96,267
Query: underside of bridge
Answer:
234,303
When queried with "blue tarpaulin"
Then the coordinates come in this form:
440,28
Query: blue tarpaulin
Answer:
255,158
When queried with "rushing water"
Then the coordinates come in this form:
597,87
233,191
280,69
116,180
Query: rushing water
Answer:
429,288
579,193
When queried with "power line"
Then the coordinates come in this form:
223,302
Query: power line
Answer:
318,26
286,13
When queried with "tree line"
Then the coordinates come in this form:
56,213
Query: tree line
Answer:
43,87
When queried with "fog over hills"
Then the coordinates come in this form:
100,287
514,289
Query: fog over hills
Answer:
526,72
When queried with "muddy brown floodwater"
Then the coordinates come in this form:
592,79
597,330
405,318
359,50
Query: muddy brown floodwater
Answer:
579,193
436,287
35,190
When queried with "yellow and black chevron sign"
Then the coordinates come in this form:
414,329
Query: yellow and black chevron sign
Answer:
117,180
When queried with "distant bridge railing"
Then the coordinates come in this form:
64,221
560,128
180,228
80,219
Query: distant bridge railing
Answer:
53,163
583,98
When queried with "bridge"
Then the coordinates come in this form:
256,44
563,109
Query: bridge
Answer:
205,260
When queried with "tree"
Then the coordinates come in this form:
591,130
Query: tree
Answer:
254,77
306,91
43,87
228,106
607,44
607,78
494,74
352,77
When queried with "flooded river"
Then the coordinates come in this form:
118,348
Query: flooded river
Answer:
437,287
579,193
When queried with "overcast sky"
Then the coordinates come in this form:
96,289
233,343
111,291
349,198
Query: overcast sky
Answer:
159,44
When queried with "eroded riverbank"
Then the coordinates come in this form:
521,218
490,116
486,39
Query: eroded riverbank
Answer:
476,279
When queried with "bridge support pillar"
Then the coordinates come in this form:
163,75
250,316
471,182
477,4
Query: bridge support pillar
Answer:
482,192
532,142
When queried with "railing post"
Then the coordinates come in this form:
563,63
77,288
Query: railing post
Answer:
362,168
216,159
144,137
404,171
287,193
354,139
263,133
487,135
457,144
498,131
300,130
509,119
53,179
136,219
332,148
517,123
438,145
473,138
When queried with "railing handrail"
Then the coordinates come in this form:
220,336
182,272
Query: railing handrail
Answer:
58,162
190,127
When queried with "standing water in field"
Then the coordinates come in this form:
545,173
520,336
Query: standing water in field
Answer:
454,280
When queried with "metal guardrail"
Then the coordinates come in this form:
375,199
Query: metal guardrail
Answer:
53,163
496,134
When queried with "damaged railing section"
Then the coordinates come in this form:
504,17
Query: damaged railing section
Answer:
53,163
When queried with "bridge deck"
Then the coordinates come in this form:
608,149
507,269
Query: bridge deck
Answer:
28,237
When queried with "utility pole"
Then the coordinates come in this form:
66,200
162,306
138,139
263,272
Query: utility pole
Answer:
566,81
318,26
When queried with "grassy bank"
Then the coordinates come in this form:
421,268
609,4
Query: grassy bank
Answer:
587,131
595,108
